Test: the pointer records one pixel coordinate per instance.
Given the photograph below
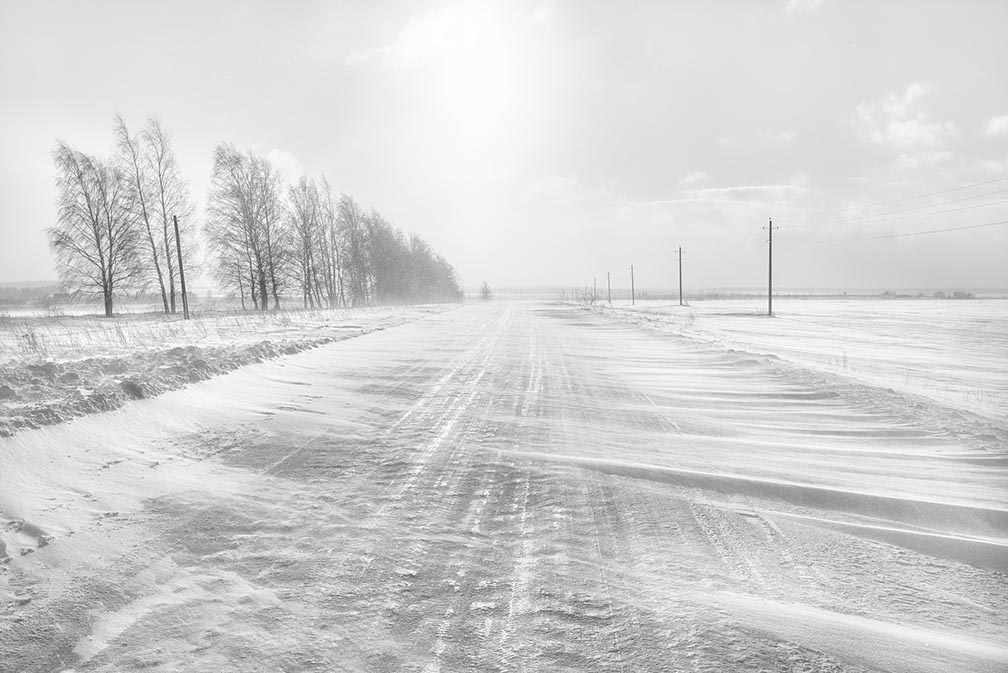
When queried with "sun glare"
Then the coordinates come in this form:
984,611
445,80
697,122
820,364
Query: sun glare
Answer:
470,55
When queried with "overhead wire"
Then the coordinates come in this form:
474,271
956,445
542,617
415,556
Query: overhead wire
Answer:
930,231
938,193
894,214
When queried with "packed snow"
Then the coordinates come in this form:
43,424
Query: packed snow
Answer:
518,486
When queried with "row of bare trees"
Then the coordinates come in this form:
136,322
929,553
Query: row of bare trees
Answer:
115,232
115,229
269,242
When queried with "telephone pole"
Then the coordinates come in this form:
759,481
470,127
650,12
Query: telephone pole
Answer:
181,271
770,228
680,275
633,294
608,283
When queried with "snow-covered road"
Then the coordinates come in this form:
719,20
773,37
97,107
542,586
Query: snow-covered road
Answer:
509,487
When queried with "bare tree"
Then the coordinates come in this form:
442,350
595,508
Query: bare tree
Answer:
96,239
134,165
334,254
245,226
330,245
270,223
170,193
230,224
353,234
306,235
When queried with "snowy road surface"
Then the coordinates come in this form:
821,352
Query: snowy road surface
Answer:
509,487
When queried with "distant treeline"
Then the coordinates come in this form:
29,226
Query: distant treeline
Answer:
23,296
126,224
327,251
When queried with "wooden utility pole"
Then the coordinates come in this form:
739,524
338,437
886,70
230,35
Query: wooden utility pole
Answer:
633,293
770,228
680,275
594,289
608,283
181,271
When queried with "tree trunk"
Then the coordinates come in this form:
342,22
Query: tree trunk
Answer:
263,292
241,287
171,269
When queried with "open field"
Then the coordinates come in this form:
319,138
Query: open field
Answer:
954,352
530,486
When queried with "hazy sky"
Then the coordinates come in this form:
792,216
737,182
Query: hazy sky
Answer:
547,142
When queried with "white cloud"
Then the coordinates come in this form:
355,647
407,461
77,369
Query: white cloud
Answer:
543,14
781,136
694,177
916,160
997,126
992,166
447,32
803,5
897,120
757,191
364,55
287,164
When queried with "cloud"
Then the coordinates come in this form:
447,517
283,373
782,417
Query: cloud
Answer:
694,177
997,126
778,191
363,55
803,5
543,14
992,166
897,120
287,164
780,136
438,34
916,160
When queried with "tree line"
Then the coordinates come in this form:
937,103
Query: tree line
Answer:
267,242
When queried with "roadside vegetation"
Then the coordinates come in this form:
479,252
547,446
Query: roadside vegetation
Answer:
126,224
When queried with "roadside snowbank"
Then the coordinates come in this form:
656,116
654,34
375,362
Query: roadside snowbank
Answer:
55,369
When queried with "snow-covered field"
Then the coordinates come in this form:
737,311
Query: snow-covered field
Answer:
525,486
955,352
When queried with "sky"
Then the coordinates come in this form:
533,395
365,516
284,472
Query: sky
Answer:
548,142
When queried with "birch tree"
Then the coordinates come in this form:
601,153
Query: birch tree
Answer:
353,234
96,238
329,247
307,239
170,194
134,165
245,227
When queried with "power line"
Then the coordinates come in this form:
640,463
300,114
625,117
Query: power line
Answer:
886,218
944,191
922,233
869,218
